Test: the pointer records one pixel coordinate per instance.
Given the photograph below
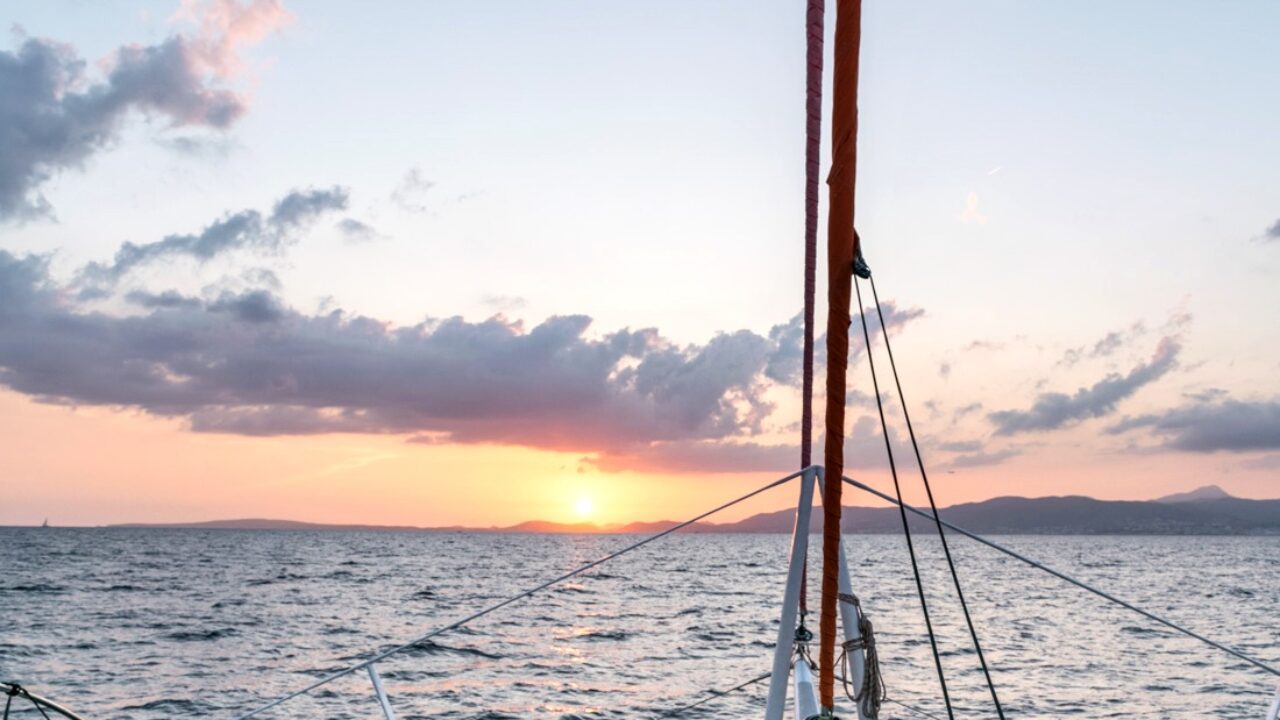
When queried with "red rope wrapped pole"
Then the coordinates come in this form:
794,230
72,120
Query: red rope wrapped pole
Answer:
814,31
842,248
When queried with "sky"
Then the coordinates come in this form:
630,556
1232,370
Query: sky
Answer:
477,263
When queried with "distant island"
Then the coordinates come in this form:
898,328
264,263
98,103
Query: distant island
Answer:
1206,511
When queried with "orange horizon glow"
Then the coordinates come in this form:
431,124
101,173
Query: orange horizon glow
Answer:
95,466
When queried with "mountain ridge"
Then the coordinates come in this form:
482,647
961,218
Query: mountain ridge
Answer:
1204,511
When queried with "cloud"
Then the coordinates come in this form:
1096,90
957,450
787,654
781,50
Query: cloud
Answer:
1106,346
166,299
246,363
787,364
867,400
357,232
982,345
864,449
53,117
226,27
1054,410
1266,462
257,306
301,206
982,458
961,446
411,194
504,303
246,229
1224,426
683,456
1273,233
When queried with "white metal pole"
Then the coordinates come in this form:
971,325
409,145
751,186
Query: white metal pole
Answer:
382,694
791,600
806,693
1274,712
848,613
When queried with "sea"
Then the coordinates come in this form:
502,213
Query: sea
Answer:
127,624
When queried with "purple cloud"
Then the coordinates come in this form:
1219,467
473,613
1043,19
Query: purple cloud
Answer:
54,117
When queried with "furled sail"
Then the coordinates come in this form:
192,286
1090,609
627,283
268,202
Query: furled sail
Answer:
842,248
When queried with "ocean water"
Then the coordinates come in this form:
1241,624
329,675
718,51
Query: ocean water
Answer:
131,624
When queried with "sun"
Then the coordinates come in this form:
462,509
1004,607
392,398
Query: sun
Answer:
583,506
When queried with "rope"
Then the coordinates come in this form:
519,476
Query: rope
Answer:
715,695
912,708
946,549
873,692
1063,576
814,31
498,606
906,529
12,690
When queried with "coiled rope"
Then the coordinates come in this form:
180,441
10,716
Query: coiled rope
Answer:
873,692
514,598
946,549
906,529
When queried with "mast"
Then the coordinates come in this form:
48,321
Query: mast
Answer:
842,248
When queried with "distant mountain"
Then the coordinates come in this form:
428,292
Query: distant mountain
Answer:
1206,511
269,524
1207,492
1072,515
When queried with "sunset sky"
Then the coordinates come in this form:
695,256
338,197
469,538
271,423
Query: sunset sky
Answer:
475,263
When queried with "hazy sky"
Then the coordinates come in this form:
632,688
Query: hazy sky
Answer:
452,262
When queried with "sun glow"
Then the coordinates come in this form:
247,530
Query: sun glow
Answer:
583,506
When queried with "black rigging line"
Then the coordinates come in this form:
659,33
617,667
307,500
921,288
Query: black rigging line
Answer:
946,549
715,695
906,529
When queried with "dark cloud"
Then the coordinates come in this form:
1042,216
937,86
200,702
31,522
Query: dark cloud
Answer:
787,364
257,306
1273,233
166,299
301,206
1206,395
53,116
246,229
1054,410
1230,425
245,363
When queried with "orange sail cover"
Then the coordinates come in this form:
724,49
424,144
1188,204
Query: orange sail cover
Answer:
842,248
